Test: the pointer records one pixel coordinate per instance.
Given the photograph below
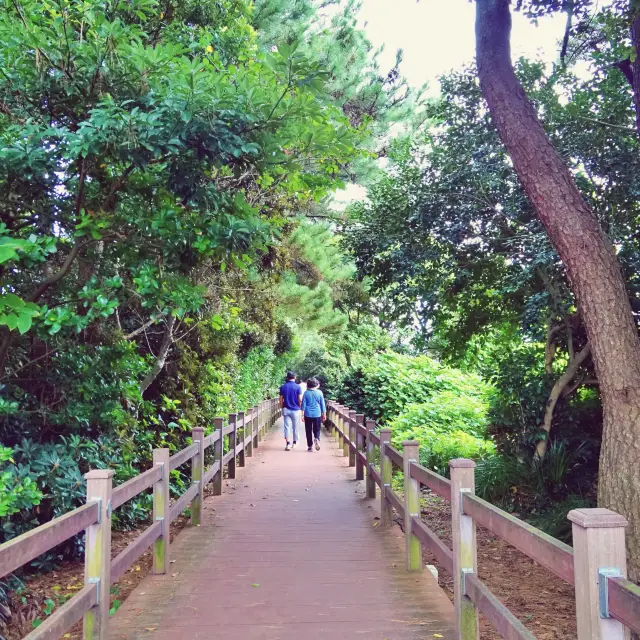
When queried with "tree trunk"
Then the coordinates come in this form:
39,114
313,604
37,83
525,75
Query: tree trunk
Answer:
158,365
590,261
556,392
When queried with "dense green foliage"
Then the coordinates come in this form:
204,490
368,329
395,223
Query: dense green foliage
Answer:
450,425
156,165
449,241
443,408
392,381
165,253
454,253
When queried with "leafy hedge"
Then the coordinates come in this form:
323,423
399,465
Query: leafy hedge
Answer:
392,381
42,480
448,426
441,407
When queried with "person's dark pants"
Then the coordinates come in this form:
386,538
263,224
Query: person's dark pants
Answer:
312,427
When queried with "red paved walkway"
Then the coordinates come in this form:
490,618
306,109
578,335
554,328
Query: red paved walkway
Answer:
289,551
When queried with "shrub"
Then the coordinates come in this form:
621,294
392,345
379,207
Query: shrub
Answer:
392,381
444,412
17,493
439,448
449,425
536,488
554,520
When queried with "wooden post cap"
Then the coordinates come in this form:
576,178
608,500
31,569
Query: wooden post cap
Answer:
461,463
99,474
410,443
597,519
197,429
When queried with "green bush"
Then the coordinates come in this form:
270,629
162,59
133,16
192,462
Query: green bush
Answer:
17,493
449,425
554,520
392,381
541,491
444,412
457,444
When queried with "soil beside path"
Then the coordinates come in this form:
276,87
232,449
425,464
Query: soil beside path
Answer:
541,601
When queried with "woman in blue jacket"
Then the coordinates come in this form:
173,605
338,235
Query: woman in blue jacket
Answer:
314,411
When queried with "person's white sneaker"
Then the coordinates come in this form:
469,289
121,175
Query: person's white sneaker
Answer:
317,444
294,444
288,447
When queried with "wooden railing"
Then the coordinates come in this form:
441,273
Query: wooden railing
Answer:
607,604
244,432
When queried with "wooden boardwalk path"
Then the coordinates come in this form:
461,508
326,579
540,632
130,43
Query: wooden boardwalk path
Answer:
290,550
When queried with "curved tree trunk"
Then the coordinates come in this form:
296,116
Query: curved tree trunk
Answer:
590,261
161,358
557,392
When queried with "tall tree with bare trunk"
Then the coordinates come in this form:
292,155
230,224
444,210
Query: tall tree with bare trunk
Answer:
589,258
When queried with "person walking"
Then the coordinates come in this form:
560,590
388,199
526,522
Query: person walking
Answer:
315,413
290,401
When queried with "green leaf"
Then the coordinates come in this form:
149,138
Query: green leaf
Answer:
7,253
24,323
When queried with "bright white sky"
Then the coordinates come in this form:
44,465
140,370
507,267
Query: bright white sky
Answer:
437,36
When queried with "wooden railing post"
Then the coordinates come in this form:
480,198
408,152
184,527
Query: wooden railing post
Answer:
410,454
339,426
598,550
334,424
197,473
262,419
464,548
161,498
248,429
233,436
344,420
241,424
97,555
386,474
332,421
371,458
218,455
352,437
359,446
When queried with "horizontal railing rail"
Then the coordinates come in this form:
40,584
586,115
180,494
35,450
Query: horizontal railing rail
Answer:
394,455
544,549
504,622
131,488
606,602
134,550
429,539
395,501
183,456
92,602
623,601
25,548
67,615
431,480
